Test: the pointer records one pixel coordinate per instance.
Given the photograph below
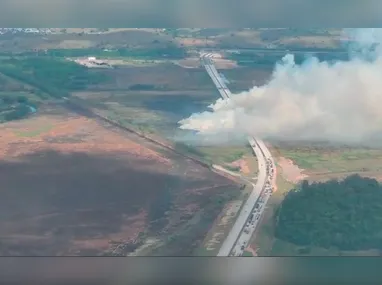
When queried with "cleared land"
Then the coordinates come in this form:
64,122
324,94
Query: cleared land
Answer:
74,186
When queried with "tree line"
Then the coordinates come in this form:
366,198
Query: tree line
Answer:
343,214
14,107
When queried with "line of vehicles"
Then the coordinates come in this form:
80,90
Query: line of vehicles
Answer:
253,220
249,215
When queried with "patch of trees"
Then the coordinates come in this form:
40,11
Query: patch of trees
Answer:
344,214
20,111
52,76
14,107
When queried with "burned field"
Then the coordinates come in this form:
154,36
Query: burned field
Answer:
71,185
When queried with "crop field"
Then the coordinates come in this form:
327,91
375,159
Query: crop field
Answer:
323,163
74,186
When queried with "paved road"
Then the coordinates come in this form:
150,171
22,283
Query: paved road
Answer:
249,216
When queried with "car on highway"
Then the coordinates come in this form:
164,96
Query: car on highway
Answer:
237,233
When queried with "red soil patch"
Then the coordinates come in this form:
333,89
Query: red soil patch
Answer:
251,250
274,180
225,63
243,164
87,136
290,171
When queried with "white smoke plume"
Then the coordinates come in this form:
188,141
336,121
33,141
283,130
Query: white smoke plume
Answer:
315,101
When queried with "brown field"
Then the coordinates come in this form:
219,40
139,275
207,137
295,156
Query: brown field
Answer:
134,38
193,42
71,185
123,38
252,38
225,64
329,41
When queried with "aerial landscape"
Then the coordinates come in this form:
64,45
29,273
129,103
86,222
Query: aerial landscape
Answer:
190,142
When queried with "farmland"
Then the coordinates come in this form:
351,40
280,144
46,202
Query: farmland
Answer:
74,186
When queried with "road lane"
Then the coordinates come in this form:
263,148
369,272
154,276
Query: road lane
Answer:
249,216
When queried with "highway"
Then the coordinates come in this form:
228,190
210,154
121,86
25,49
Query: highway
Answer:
252,210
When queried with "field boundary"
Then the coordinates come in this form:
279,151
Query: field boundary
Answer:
90,113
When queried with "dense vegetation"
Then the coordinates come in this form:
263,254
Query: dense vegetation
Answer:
52,76
343,214
46,77
14,107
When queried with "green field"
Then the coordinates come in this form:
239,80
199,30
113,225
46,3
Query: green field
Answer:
337,160
56,77
224,154
27,82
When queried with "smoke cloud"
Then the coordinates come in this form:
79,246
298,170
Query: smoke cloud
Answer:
337,102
